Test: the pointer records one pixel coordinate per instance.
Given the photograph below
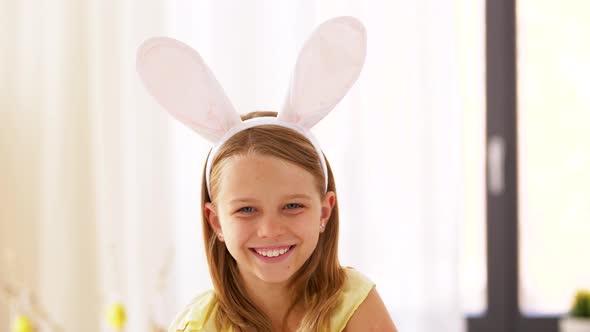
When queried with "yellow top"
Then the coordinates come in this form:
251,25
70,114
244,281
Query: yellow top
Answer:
199,315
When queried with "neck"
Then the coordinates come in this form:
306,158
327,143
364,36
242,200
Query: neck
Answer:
274,299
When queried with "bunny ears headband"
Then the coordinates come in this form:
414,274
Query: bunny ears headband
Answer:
180,81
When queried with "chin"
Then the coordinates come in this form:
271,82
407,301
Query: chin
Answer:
275,277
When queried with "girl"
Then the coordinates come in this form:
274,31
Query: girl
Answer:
270,216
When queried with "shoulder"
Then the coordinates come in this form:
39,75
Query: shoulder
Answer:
355,279
361,307
355,289
198,315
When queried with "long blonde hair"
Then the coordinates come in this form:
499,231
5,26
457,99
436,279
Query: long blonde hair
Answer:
317,285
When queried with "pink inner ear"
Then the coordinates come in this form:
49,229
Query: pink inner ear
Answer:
328,65
176,76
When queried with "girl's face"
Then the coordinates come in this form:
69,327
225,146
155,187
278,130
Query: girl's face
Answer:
268,212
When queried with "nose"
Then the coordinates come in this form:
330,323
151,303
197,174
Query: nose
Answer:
270,226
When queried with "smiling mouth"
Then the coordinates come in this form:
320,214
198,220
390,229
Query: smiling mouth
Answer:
272,252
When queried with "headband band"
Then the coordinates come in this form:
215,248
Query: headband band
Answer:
261,121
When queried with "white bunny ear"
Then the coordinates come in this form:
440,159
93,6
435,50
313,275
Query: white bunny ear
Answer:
328,65
178,78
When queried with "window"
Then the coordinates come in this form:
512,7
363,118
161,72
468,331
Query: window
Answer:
553,153
538,196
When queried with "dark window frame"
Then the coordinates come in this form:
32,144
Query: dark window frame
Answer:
503,313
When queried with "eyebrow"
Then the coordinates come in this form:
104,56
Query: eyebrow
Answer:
248,200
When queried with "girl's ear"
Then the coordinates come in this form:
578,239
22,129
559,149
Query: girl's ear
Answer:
212,218
327,205
328,65
180,81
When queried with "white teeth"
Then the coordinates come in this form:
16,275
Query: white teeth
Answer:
272,253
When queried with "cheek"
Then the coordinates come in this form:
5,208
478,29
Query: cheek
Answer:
308,228
234,232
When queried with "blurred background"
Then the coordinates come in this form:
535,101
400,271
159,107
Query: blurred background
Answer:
99,188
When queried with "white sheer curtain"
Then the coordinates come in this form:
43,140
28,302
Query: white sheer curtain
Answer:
98,185
393,142
84,162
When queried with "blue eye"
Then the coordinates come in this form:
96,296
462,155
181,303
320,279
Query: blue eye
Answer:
247,209
292,206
